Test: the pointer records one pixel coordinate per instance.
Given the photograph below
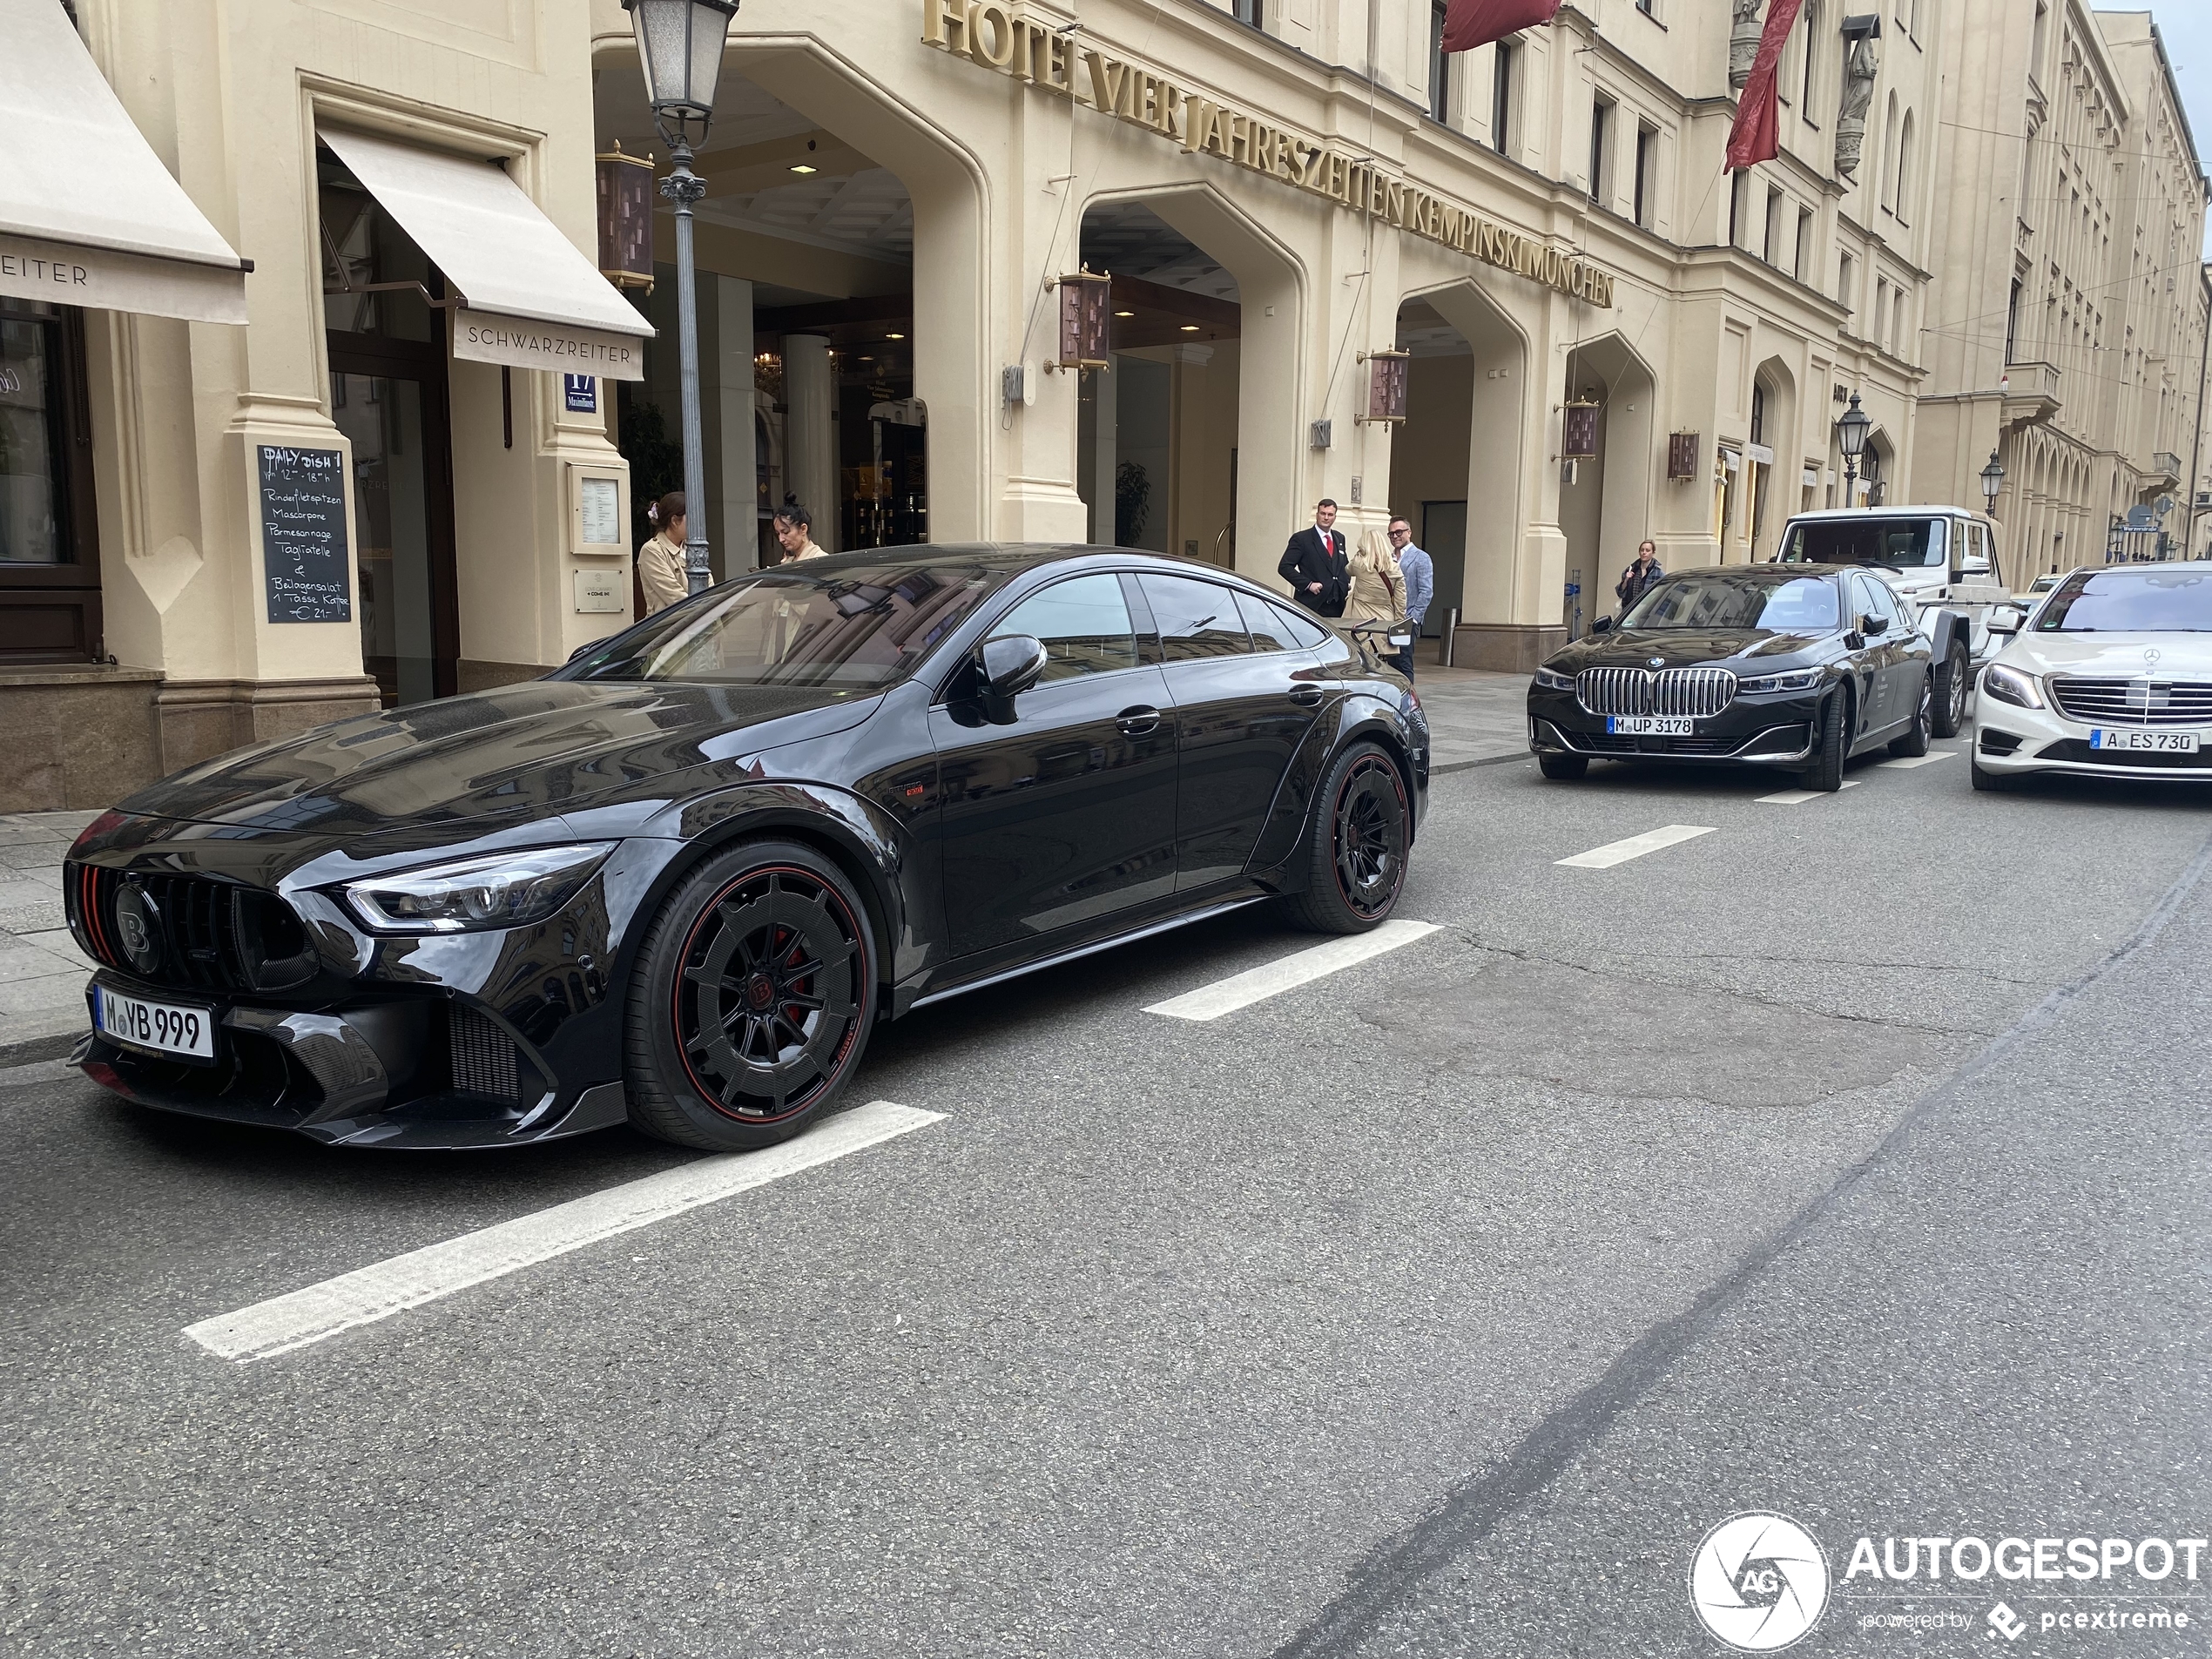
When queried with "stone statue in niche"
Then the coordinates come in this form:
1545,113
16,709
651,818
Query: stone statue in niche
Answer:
1859,69
1742,43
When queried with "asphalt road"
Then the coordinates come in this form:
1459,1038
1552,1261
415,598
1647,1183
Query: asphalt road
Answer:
1845,1161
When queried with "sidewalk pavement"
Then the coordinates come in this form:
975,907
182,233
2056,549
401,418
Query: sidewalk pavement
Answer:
42,972
1475,718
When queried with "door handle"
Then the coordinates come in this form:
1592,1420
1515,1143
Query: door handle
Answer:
1139,722
1309,696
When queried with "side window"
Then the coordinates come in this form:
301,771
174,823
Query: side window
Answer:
1083,622
1195,619
1305,632
1267,624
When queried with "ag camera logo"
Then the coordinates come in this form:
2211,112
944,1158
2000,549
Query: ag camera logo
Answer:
1758,1581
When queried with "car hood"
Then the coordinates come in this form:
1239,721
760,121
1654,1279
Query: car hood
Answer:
2116,656
1679,648
535,749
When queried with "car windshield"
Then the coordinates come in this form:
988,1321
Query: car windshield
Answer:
2130,601
1901,543
1804,604
863,627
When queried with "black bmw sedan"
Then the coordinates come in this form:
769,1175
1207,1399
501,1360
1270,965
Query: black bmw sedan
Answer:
678,881
1795,666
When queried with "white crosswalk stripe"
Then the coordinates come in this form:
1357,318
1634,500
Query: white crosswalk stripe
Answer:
1301,967
1800,797
1613,852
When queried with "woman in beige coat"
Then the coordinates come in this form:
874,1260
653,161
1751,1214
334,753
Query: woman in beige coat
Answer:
663,577
1377,593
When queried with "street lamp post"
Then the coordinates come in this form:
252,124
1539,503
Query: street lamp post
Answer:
1993,480
680,45
1850,437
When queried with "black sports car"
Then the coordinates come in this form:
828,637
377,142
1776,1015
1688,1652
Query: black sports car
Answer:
678,880
1795,666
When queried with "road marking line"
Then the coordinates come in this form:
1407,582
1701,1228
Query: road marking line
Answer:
368,1294
1800,797
1927,759
1300,967
1613,852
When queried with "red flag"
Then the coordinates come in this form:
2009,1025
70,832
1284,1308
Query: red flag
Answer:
1757,135
1469,23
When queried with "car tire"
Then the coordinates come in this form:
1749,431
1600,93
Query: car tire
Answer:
1992,783
1954,676
754,993
1914,742
1356,846
1567,768
1826,771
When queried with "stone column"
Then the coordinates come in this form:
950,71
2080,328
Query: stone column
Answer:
810,432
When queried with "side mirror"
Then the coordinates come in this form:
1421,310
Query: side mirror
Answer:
1974,567
1873,624
1011,664
2005,619
1601,625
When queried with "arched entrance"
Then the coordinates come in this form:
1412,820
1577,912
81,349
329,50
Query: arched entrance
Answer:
1605,499
1461,443
1195,417
1771,458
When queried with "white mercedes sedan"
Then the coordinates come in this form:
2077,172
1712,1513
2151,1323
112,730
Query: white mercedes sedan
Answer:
2111,677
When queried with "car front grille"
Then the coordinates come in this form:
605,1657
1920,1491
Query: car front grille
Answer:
1697,691
209,936
2133,702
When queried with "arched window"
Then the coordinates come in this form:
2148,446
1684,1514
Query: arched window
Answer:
1904,198
1889,149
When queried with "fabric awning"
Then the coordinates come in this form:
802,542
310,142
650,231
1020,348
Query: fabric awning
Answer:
529,298
88,214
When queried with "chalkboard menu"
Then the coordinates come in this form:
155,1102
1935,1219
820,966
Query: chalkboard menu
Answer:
305,556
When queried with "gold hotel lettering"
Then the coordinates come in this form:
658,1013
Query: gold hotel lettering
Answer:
994,34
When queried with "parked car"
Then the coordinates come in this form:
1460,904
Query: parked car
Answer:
2110,676
2037,588
1942,560
1790,666
681,879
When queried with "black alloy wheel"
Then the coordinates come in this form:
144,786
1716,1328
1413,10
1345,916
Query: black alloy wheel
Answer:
1356,848
1914,742
752,1002
1953,678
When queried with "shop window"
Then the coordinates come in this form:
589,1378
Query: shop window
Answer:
50,571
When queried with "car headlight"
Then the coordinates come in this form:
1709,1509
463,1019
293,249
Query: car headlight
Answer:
1548,681
1797,679
498,890
2010,686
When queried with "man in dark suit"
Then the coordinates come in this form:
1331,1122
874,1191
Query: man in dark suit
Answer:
1314,563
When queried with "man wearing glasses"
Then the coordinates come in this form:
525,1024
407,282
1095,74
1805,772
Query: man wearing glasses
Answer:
1420,585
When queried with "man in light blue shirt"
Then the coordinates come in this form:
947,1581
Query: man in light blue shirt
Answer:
1420,585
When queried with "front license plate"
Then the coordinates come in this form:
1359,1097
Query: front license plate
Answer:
163,1027
1649,725
2171,743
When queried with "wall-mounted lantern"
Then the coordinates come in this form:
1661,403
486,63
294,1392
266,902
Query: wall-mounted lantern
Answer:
626,219
1385,387
1086,321
1578,430
1682,457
